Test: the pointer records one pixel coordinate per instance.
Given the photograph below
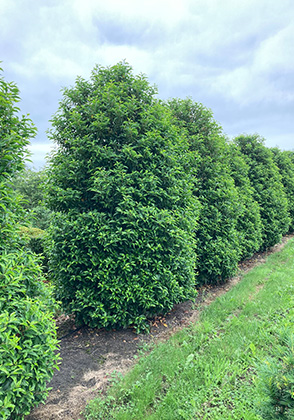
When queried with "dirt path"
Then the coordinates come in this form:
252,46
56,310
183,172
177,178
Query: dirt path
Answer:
90,356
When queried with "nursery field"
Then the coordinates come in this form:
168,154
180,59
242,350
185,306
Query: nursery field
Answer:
142,217
202,361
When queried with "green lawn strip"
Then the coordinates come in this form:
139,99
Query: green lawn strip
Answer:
209,370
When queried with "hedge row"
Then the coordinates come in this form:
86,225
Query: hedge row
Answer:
150,198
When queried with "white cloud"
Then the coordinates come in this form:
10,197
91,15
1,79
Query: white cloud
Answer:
232,56
277,52
38,152
152,10
266,76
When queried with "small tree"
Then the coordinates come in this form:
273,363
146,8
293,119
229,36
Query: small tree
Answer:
268,188
122,242
218,245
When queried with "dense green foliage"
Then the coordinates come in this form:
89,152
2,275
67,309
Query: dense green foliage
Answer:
286,168
31,186
15,132
249,224
148,199
27,331
218,242
122,242
268,189
27,335
107,131
29,236
34,240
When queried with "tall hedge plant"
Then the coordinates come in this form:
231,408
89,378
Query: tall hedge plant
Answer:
249,225
286,167
268,188
120,182
218,245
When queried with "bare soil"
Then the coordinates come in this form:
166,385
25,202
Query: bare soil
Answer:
90,356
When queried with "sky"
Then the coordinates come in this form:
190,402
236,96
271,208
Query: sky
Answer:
236,57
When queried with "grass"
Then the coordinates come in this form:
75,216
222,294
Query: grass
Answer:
211,369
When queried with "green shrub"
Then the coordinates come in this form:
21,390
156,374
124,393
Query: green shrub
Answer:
40,217
218,243
286,167
34,239
276,377
122,244
28,341
28,232
268,189
249,224
31,186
